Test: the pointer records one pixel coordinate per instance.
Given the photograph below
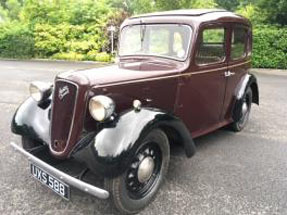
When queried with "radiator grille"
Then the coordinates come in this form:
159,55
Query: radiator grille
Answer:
64,101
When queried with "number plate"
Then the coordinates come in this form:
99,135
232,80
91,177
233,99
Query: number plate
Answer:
50,181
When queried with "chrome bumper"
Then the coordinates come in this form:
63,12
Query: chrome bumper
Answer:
74,182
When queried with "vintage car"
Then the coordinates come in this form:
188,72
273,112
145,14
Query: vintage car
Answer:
180,74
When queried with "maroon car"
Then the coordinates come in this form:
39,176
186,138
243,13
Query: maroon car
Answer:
181,74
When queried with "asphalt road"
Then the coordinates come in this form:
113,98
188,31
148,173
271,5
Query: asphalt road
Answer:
232,173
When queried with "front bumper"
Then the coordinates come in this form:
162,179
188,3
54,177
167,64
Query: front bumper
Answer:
74,182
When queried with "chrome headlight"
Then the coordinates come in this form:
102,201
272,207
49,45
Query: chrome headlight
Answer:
40,90
101,107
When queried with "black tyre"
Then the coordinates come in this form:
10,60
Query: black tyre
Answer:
245,108
138,185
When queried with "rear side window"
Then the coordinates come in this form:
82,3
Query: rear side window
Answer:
239,43
212,46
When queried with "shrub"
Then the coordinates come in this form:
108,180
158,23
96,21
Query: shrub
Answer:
270,47
50,39
91,55
16,41
65,38
73,56
103,57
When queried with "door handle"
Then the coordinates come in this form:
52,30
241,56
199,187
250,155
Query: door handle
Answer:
228,73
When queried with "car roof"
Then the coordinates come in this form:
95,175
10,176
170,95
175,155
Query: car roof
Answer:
188,16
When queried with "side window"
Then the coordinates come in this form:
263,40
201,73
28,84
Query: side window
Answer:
212,46
239,43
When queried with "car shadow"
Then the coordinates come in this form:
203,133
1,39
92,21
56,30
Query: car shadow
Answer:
202,142
180,164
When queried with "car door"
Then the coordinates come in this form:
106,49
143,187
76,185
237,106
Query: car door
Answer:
239,61
202,89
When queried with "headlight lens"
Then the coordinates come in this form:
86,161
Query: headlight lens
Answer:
101,107
40,90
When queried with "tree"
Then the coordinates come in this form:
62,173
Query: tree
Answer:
203,4
228,4
274,10
184,4
144,6
3,3
163,5
10,9
14,7
251,12
133,6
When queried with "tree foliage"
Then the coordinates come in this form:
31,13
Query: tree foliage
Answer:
252,12
143,6
132,7
228,4
274,10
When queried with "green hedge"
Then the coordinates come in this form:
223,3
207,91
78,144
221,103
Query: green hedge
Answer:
16,41
270,47
58,41
65,38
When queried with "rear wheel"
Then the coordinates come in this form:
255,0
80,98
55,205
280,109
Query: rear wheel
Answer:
245,108
138,185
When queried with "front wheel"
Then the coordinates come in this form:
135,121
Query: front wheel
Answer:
138,185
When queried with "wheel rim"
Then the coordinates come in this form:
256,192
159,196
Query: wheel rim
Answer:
143,173
245,110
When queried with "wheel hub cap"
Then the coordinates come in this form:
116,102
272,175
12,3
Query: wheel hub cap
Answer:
145,169
244,108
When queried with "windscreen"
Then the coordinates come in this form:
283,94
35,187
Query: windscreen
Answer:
166,40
